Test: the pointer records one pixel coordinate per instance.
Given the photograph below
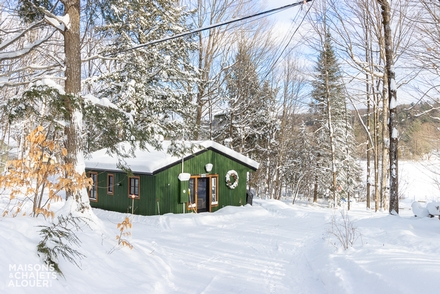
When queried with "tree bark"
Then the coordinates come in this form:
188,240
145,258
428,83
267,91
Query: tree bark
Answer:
384,160
392,94
369,145
72,50
376,149
72,84
369,100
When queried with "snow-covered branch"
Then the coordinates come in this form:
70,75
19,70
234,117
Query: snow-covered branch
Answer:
26,50
366,67
32,72
19,35
61,23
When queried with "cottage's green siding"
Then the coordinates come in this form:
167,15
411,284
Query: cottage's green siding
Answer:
161,193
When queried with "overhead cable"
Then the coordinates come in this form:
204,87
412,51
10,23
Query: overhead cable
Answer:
287,45
214,26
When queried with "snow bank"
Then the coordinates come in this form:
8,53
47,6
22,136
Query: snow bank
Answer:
271,247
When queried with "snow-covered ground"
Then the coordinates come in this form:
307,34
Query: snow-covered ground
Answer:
270,247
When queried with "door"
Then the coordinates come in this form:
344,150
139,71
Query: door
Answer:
202,194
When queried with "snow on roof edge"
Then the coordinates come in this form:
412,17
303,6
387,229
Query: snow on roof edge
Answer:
234,154
151,160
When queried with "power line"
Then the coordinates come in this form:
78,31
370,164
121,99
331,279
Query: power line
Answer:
283,41
213,26
287,45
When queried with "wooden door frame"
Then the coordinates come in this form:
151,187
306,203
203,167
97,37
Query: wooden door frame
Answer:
209,194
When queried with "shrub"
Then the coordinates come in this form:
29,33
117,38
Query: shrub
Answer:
58,239
40,175
124,232
343,230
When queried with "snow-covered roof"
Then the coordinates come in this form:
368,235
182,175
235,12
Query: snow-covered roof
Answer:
150,160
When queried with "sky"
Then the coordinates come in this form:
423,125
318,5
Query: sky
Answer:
287,21
285,18
289,31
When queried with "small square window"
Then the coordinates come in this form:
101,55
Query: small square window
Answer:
133,187
93,191
214,195
110,184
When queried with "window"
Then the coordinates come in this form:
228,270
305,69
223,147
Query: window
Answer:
93,191
133,187
110,184
192,194
214,197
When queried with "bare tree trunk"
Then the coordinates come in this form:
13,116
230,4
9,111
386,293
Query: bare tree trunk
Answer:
316,183
72,72
332,143
384,124
392,94
73,51
268,180
73,115
376,150
203,73
384,158
369,145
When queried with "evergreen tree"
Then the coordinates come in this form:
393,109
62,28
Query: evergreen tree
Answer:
338,172
243,88
249,124
249,119
150,86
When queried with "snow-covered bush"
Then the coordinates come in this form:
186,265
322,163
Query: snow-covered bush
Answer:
432,209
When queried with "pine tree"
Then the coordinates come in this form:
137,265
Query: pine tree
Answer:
150,86
249,124
249,117
243,88
338,170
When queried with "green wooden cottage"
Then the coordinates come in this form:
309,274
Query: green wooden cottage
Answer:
207,179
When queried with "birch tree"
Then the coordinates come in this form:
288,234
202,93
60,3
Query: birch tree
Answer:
359,30
392,94
364,48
